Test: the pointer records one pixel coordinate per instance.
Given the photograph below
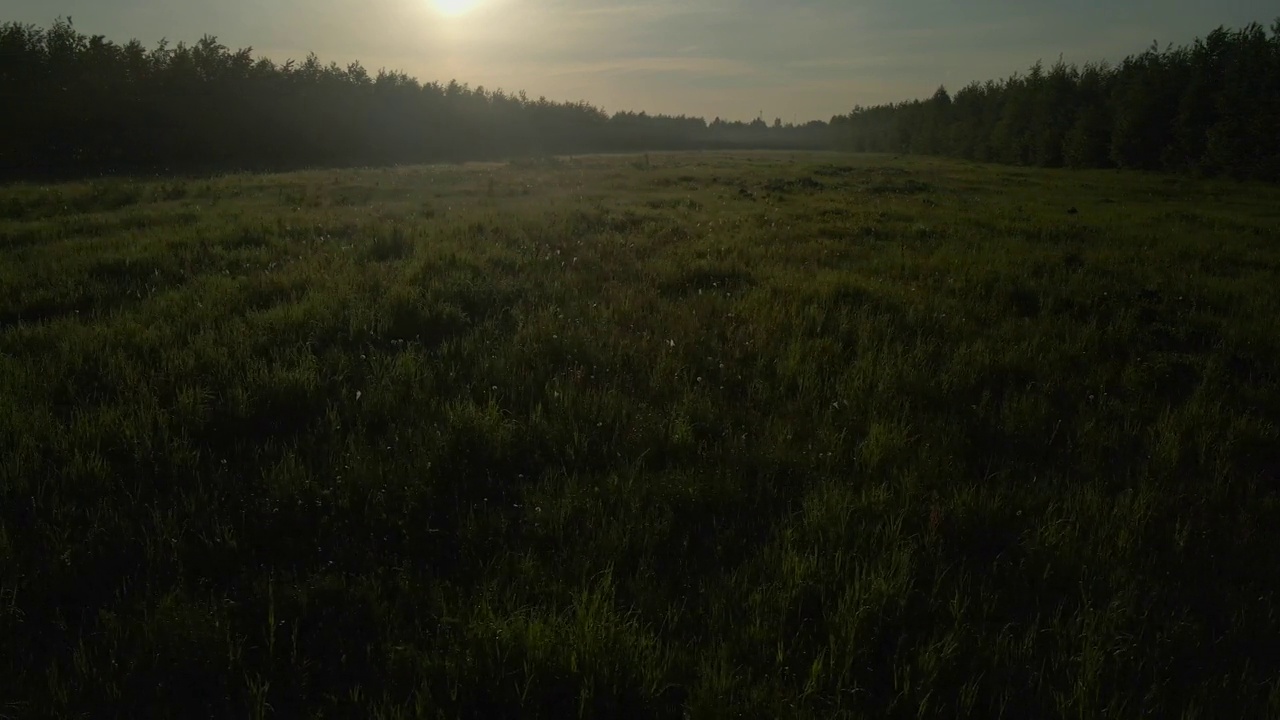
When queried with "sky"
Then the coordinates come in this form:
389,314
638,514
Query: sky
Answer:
798,60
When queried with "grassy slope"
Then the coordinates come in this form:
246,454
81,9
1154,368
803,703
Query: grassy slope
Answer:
771,434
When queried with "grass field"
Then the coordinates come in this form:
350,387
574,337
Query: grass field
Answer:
760,435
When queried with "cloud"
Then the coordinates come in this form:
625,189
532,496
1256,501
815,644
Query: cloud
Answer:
639,12
665,65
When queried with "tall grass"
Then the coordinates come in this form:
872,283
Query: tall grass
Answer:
718,435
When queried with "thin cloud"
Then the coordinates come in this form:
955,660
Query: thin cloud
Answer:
676,64
641,12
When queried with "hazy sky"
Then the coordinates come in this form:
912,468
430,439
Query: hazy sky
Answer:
798,60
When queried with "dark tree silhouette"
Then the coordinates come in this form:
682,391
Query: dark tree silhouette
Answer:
82,105
1211,108
79,105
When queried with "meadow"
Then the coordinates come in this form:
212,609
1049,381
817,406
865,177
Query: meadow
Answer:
696,435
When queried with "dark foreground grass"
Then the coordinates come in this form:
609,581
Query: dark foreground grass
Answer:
715,435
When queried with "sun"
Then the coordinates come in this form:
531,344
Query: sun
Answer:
454,8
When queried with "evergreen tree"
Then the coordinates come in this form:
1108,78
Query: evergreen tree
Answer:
1212,107
84,105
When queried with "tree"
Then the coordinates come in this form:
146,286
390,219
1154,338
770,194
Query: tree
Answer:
1210,107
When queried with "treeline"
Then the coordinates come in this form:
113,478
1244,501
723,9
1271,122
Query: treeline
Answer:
78,105
1212,108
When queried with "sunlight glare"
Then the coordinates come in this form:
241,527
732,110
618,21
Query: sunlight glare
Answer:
453,8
